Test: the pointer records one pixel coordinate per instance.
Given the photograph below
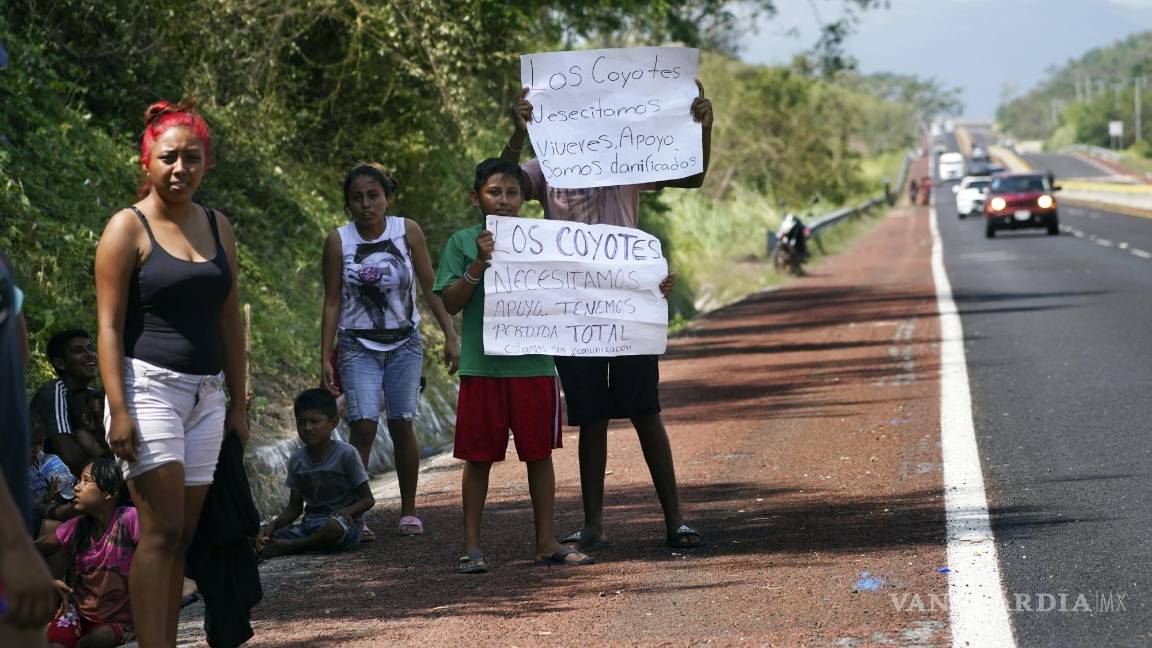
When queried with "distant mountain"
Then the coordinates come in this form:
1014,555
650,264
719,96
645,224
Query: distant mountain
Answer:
1098,84
985,47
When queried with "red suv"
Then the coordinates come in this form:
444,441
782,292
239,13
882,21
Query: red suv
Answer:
1019,200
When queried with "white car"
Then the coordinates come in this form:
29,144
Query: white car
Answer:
970,195
950,166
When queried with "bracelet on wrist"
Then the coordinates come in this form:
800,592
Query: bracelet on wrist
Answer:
470,279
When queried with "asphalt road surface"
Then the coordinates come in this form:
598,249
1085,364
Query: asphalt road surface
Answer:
1064,166
1060,367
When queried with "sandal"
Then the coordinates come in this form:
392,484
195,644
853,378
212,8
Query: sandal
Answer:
684,537
410,525
578,538
472,563
560,557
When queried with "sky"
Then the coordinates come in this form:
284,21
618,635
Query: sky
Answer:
984,47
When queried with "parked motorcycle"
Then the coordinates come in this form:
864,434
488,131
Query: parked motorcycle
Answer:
792,246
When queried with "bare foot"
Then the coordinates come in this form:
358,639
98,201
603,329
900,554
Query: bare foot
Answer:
274,548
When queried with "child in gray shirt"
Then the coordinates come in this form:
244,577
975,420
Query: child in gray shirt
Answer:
328,485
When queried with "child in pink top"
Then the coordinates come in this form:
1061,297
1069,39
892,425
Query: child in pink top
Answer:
99,546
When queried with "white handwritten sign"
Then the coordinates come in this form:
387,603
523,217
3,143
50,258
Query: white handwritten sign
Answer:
613,116
569,289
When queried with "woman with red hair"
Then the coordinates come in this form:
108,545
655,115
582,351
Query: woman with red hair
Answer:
170,340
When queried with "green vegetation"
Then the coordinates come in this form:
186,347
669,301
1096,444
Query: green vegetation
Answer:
297,93
1076,102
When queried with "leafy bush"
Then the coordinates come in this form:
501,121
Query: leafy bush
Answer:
296,94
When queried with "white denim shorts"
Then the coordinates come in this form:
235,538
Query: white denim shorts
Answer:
180,417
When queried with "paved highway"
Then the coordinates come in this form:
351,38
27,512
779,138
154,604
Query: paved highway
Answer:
1064,166
1060,367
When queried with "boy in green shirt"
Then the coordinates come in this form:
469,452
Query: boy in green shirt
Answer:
499,393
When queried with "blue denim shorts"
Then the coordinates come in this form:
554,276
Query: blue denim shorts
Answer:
313,523
365,373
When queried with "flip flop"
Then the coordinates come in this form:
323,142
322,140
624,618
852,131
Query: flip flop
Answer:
560,557
410,525
677,539
577,538
472,564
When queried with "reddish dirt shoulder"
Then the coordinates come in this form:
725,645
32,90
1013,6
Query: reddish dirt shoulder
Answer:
804,423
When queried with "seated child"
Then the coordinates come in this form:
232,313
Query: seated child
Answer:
96,549
50,484
328,484
498,393
86,412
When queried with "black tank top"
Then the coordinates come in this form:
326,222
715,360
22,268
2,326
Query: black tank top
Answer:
174,305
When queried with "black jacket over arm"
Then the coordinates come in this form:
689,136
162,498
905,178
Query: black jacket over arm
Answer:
221,559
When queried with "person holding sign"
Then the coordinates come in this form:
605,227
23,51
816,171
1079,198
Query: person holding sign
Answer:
599,389
371,269
498,393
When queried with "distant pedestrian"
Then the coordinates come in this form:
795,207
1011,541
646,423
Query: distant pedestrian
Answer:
170,340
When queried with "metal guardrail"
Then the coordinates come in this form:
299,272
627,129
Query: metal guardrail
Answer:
824,222
829,220
1097,151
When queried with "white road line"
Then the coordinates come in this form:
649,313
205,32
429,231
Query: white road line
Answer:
1141,253
977,609
1123,245
1104,242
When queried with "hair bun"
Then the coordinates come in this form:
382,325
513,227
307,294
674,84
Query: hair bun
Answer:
157,110
387,176
164,107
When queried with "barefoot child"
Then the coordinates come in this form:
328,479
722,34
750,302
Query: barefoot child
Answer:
97,548
498,393
328,484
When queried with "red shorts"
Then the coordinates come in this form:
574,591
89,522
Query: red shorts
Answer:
489,407
69,628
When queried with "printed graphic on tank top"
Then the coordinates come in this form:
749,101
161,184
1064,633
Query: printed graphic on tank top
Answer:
378,302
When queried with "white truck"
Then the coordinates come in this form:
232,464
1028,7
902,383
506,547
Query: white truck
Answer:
950,166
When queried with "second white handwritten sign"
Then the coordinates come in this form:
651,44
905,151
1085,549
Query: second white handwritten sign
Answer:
570,289
614,116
